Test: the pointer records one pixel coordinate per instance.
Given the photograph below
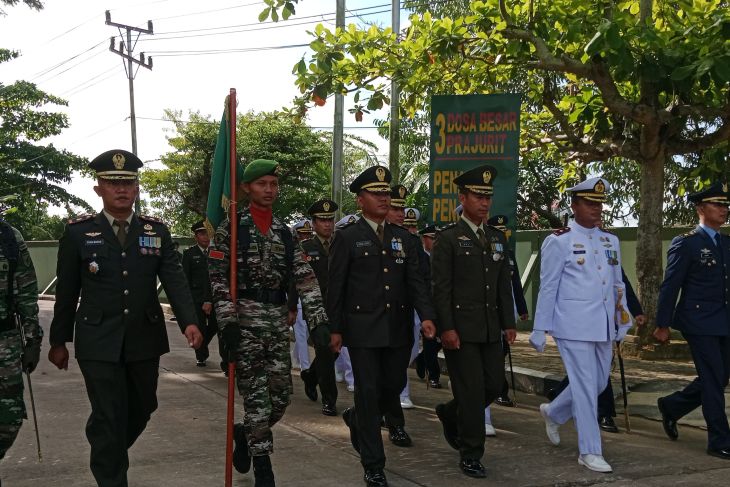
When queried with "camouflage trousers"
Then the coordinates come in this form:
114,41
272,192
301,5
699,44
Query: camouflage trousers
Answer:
12,407
263,371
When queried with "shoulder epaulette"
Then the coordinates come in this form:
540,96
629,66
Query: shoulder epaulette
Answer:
561,231
346,225
446,227
80,218
689,234
148,218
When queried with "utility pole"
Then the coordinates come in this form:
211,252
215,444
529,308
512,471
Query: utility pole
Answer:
126,52
394,151
337,132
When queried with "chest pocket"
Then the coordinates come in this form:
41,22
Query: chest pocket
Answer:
365,251
93,252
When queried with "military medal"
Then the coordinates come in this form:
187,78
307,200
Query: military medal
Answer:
148,227
93,267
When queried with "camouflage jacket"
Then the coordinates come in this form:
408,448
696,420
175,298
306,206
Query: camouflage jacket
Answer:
13,249
262,265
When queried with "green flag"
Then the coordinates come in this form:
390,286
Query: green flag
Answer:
219,194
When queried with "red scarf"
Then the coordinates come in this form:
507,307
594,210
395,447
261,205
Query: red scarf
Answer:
262,218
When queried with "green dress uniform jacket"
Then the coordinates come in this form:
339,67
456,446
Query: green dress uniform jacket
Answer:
478,305
374,287
195,266
119,316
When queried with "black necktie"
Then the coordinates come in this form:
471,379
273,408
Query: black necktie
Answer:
326,245
121,230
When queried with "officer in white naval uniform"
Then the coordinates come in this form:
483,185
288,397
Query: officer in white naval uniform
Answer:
582,304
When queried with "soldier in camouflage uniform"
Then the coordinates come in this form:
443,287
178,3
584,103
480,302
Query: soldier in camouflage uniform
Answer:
18,293
257,327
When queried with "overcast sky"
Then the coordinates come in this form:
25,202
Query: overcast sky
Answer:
65,51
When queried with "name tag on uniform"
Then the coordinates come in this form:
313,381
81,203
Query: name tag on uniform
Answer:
579,251
363,243
706,257
466,243
94,242
313,253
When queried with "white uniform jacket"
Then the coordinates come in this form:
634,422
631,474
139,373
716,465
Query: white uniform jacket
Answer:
580,275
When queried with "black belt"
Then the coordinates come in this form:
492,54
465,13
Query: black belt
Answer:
265,296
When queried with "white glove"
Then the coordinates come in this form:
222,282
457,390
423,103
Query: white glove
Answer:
537,340
621,333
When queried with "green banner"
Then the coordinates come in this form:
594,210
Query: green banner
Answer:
469,131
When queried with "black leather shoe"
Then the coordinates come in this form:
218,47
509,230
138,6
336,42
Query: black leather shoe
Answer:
723,453
200,363
434,384
669,424
473,468
348,415
399,437
450,432
329,410
606,424
375,478
310,384
505,401
262,472
241,456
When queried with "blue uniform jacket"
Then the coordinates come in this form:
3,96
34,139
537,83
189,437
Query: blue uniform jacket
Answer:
697,268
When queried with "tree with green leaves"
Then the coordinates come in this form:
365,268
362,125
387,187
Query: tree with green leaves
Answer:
35,173
179,192
606,82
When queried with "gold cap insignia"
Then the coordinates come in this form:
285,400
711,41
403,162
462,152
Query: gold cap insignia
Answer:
411,214
500,220
148,227
487,177
306,226
118,160
724,187
402,192
599,187
326,206
380,173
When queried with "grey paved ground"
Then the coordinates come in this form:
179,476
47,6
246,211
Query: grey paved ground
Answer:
183,444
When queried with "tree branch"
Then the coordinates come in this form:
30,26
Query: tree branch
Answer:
685,146
554,221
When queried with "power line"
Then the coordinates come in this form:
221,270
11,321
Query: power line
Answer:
212,122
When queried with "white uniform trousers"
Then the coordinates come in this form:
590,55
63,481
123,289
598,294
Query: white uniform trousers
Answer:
588,365
406,392
301,349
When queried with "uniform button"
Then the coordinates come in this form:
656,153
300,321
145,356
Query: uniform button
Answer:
357,307
126,292
457,306
86,318
126,311
385,269
484,252
697,306
387,288
487,287
125,273
467,253
366,253
124,254
387,305
383,252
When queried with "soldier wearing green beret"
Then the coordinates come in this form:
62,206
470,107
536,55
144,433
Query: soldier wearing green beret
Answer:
112,260
255,330
18,297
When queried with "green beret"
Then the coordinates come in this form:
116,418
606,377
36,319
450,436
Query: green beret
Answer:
260,168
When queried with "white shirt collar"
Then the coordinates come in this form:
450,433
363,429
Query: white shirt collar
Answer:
586,231
474,227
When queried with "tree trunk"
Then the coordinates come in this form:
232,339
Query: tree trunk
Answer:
649,239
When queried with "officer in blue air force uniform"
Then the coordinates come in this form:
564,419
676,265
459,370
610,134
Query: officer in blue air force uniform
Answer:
697,265
582,304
